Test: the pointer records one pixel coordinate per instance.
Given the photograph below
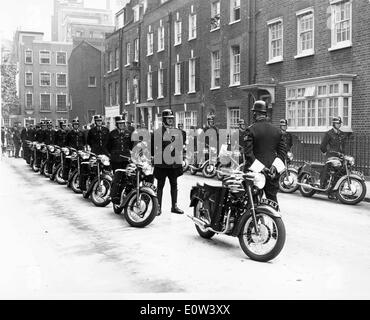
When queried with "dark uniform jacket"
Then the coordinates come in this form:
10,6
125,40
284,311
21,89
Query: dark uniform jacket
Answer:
263,142
39,135
288,140
16,136
61,138
119,144
49,136
97,139
156,149
75,139
333,142
24,134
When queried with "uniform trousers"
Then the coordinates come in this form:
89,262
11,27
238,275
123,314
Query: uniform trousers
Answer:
161,174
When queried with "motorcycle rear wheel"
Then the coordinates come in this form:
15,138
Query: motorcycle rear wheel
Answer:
271,229
104,188
344,199
208,172
305,192
142,214
285,184
202,231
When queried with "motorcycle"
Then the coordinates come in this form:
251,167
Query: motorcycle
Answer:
185,162
139,195
47,161
58,165
99,181
35,159
75,172
288,180
344,183
237,209
28,153
207,168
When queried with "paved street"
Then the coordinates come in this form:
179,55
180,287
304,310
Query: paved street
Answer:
55,244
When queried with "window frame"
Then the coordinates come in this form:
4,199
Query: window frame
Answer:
233,65
177,79
49,79
56,102
216,14
25,56
232,12
308,52
150,43
88,82
192,75
128,93
161,38
25,79
25,101
128,54
56,79
279,58
178,32
229,117
214,69
335,45
56,58
149,85
116,59
160,83
136,50
192,27
42,58
45,94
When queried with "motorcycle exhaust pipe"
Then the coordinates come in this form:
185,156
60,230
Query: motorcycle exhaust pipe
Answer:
305,185
203,225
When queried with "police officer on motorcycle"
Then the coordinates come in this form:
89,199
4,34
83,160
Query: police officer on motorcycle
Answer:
264,149
49,133
332,144
163,170
97,137
61,134
119,146
287,135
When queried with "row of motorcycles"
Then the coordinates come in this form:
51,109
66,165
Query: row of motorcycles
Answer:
91,175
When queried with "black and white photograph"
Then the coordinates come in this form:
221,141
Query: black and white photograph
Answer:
189,150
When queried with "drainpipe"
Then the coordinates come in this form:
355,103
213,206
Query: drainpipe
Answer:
169,84
120,71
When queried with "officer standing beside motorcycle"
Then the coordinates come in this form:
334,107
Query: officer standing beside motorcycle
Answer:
40,133
75,137
119,146
264,149
163,170
332,144
49,133
61,134
97,137
287,135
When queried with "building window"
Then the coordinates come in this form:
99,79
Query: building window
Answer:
235,65
178,31
29,79
28,56
45,102
116,93
233,116
150,38
234,11
44,57
109,62
92,82
150,84
29,121
341,27
160,83
187,118
127,91
61,102
62,58
192,75
305,27
312,107
275,41
215,15
128,53
161,38
136,10
116,61
29,100
110,94
136,50
45,79
136,89
120,20
178,78
192,26
61,79
215,69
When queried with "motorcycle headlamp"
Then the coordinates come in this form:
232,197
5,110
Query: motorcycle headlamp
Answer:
65,151
51,148
74,154
38,146
290,156
104,160
350,160
147,169
259,180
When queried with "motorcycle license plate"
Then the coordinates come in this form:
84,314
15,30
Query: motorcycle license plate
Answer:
150,185
270,203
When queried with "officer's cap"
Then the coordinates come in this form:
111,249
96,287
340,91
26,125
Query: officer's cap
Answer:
283,122
167,113
75,121
259,106
337,120
120,119
211,116
98,117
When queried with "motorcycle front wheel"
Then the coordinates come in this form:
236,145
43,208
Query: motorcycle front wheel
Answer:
141,213
353,193
35,168
75,183
209,170
268,242
45,170
288,182
100,194
198,214
59,176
